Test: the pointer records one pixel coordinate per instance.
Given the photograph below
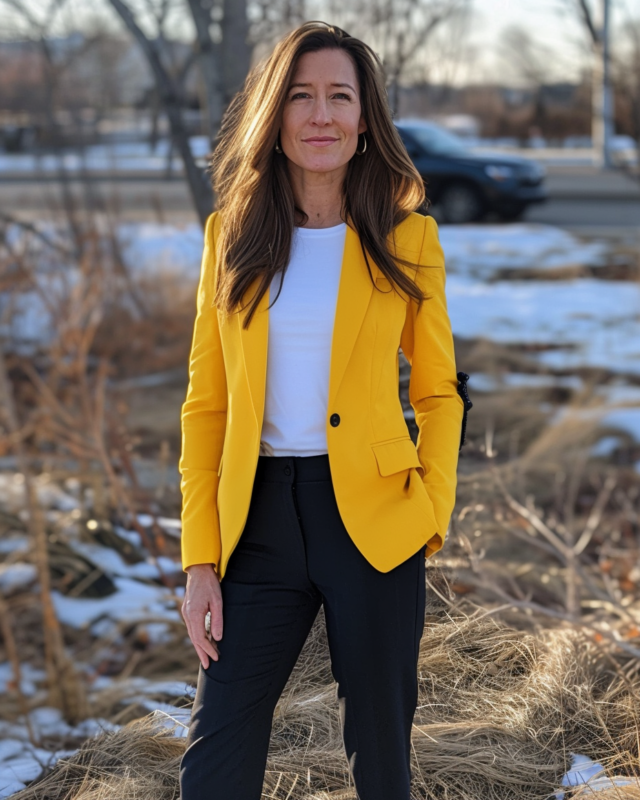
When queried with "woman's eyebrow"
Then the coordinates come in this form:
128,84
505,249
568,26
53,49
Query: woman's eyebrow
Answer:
332,84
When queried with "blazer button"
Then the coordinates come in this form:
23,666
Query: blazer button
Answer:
334,419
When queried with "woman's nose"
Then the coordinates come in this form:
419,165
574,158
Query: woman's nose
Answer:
320,113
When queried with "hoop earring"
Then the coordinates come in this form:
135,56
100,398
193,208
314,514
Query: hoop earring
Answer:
278,149
362,152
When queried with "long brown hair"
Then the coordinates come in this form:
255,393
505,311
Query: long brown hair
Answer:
250,179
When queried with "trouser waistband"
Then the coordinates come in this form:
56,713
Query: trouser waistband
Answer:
287,469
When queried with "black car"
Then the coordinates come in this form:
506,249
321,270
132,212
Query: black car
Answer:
466,185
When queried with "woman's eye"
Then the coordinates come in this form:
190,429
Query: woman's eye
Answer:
341,95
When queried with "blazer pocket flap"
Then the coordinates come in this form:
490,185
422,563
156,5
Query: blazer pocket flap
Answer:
396,455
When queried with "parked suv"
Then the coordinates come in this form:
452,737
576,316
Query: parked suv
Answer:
464,184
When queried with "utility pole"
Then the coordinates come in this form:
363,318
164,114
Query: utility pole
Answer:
602,121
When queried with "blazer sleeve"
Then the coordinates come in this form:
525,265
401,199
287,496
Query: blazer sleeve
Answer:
427,343
203,422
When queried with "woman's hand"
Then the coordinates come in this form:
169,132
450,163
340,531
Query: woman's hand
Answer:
203,594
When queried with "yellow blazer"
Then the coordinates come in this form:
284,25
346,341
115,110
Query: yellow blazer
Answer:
394,497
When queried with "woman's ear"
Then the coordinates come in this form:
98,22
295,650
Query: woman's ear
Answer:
362,125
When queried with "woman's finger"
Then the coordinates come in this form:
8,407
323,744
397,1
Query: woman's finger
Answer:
206,650
215,606
202,596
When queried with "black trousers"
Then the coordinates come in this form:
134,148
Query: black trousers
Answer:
295,554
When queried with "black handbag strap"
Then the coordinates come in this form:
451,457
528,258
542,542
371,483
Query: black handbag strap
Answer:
462,391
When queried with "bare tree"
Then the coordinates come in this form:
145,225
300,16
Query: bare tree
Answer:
532,62
37,20
169,87
222,48
401,31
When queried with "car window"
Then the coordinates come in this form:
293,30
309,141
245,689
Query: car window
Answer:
436,140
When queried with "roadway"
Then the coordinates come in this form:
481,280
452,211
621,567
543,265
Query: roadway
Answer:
587,200
581,199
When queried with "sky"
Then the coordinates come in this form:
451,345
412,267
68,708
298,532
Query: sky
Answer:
554,23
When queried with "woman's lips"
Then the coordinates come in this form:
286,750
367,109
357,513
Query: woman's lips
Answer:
322,142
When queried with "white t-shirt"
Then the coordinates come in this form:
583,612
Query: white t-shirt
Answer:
299,344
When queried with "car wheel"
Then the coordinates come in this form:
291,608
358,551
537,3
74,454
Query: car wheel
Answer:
460,203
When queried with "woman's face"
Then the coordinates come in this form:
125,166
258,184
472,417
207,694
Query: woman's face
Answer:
322,116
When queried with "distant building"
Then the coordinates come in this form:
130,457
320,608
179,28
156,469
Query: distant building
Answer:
521,116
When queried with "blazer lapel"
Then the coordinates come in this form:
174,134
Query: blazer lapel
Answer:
254,348
354,293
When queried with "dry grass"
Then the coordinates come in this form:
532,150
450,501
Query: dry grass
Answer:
500,711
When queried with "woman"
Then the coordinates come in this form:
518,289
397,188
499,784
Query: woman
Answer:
301,484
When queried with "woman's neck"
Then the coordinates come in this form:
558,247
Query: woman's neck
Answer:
319,195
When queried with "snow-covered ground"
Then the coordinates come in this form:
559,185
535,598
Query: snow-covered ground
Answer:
588,322
140,157
572,323
480,251
585,322
567,324
135,600
120,157
22,762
